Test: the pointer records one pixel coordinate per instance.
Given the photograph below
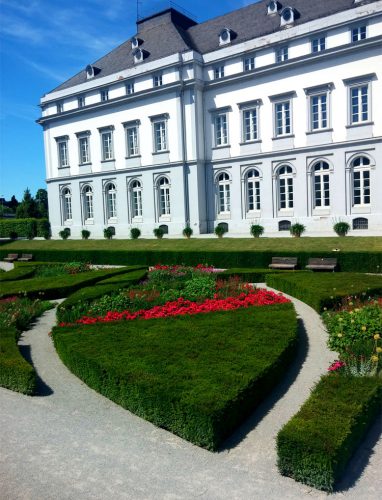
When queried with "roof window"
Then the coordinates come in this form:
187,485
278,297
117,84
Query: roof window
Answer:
91,71
288,16
136,42
273,8
225,36
139,55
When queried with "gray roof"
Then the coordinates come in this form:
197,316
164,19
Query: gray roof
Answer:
169,32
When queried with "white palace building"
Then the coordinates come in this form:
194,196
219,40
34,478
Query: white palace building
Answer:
270,114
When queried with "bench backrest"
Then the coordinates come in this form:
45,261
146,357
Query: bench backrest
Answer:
284,260
12,255
322,262
26,256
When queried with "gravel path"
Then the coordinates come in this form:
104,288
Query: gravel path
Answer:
69,442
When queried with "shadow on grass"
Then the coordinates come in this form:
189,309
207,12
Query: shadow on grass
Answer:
42,389
277,393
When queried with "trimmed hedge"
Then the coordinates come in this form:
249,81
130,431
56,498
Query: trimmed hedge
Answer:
198,377
15,373
24,227
325,290
348,261
252,275
53,288
315,446
18,273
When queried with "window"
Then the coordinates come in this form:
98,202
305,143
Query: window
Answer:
225,36
360,223
361,181
253,190
111,201
104,95
287,16
284,225
160,136
164,196
136,198
221,129
359,103
67,204
157,80
107,144
318,111
87,198
129,88
84,149
218,72
250,125
283,118
285,187
132,144
318,44
81,101
60,107
281,54
321,184
249,63
224,193
358,33
63,155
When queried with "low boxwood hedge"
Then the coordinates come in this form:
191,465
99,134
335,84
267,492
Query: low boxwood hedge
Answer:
317,443
325,290
198,376
252,275
15,373
18,273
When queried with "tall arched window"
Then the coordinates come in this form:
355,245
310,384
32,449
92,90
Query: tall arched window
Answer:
164,196
321,184
285,187
136,198
224,193
111,201
361,181
253,190
67,204
87,196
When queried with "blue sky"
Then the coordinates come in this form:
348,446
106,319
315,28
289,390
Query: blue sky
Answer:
44,42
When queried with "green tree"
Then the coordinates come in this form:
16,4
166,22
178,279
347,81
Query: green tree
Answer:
27,207
42,203
13,203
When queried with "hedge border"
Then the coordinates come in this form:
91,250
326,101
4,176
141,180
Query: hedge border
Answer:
18,273
24,227
315,446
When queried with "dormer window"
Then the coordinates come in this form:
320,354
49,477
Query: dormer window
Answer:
225,36
135,42
273,8
91,71
288,16
139,55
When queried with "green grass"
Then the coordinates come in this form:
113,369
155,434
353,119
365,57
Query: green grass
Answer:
252,275
315,446
321,290
198,376
18,273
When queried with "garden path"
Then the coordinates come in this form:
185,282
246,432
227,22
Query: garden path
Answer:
69,442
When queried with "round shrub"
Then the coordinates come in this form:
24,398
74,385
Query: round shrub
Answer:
158,233
13,235
187,232
341,228
85,234
297,229
65,233
30,232
256,230
220,231
135,233
46,234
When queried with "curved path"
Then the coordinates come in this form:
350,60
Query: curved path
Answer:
69,442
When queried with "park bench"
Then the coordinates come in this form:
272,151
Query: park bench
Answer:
322,264
11,257
283,263
25,257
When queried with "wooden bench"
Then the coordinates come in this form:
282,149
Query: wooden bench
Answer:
283,263
322,264
11,257
25,257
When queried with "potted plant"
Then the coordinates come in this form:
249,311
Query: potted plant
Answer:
341,228
297,229
85,234
256,230
135,233
109,232
187,232
158,233
219,231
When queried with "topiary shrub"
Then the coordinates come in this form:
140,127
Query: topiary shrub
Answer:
109,232
187,232
13,235
297,229
65,233
341,228
220,231
135,233
30,233
256,230
85,234
158,233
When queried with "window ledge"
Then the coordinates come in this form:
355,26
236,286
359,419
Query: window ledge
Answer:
255,141
89,222
224,216
360,124
160,152
287,136
68,222
107,161
131,157
222,146
318,131
63,166
165,218
137,219
85,164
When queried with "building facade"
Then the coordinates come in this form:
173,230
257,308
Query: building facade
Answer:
270,114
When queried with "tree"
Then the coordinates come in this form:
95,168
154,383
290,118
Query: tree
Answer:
42,203
13,203
28,207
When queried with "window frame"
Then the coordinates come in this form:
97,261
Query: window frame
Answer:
66,202
319,39
110,196
63,140
354,83
104,95
287,186
356,29
219,72
165,214
88,206
318,92
281,54
361,169
103,132
132,125
256,180
80,137
81,101
252,59
223,196
130,87
286,121
59,107
223,141
158,79
139,199
320,175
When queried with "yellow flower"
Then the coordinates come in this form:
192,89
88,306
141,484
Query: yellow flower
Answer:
363,328
352,321
339,335
350,303
374,359
340,319
379,349
356,310
377,336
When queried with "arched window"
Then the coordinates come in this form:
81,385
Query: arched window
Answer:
284,225
136,198
360,223
285,187
67,204
164,228
87,196
253,190
321,184
111,201
224,193
361,181
164,196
